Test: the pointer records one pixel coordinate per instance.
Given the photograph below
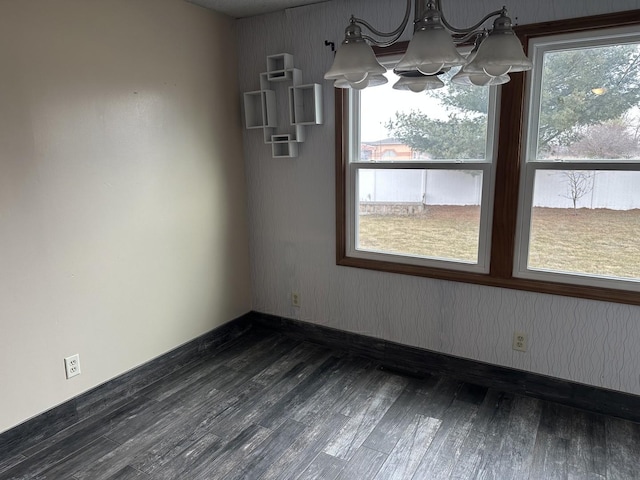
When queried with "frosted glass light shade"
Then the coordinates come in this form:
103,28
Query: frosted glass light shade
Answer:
370,81
354,61
478,79
375,80
430,51
418,84
499,54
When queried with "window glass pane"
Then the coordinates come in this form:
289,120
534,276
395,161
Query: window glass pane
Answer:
586,222
421,213
589,101
445,124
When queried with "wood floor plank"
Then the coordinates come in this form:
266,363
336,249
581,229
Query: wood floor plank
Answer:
92,428
98,399
329,395
587,455
186,433
216,459
301,353
358,397
72,440
585,476
179,465
470,457
366,408
480,450
440,397
494,412
129,473
323,467
553,438
516,450
464,457
368,384
444,451
397,418
423,383
200,407
252,411
287,405
256,462
413,443
150,432
262,355
216,376
623,449
556,419
68,466
549,457
10,461
188,398
239,346
215,370
364,465
305,449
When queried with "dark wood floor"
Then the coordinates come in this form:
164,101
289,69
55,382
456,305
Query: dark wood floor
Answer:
268,407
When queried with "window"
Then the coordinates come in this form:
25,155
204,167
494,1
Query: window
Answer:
580,211
553,205
419,194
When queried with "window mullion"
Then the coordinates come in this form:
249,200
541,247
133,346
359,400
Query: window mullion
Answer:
507,177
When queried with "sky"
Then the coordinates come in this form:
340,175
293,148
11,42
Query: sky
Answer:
380,104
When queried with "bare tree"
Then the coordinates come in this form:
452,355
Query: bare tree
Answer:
609,140
579,183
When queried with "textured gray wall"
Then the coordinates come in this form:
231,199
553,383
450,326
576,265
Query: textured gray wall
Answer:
292,229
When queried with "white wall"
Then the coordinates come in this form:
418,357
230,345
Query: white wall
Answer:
292,229
123,228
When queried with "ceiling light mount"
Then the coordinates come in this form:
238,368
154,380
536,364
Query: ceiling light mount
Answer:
431,52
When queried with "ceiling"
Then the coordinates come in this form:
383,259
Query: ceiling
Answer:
248,8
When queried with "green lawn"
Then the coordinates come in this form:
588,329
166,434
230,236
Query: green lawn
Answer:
599,241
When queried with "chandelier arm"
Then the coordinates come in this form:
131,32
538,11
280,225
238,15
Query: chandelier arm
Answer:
463,39
381,43
471,29
396,33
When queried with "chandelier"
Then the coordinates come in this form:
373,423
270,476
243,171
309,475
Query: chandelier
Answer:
431,52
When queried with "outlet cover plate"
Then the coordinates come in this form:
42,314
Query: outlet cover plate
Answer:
72,365
520,341
295,299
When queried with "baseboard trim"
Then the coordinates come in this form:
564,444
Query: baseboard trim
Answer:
119,389
417,361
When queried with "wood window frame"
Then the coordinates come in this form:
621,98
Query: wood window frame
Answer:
511,111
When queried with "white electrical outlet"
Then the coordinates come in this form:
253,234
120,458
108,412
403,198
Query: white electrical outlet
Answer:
72,365
295,299
520,341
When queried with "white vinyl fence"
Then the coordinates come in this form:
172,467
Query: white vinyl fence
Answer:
613,190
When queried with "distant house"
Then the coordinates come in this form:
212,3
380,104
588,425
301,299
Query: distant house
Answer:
388,149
